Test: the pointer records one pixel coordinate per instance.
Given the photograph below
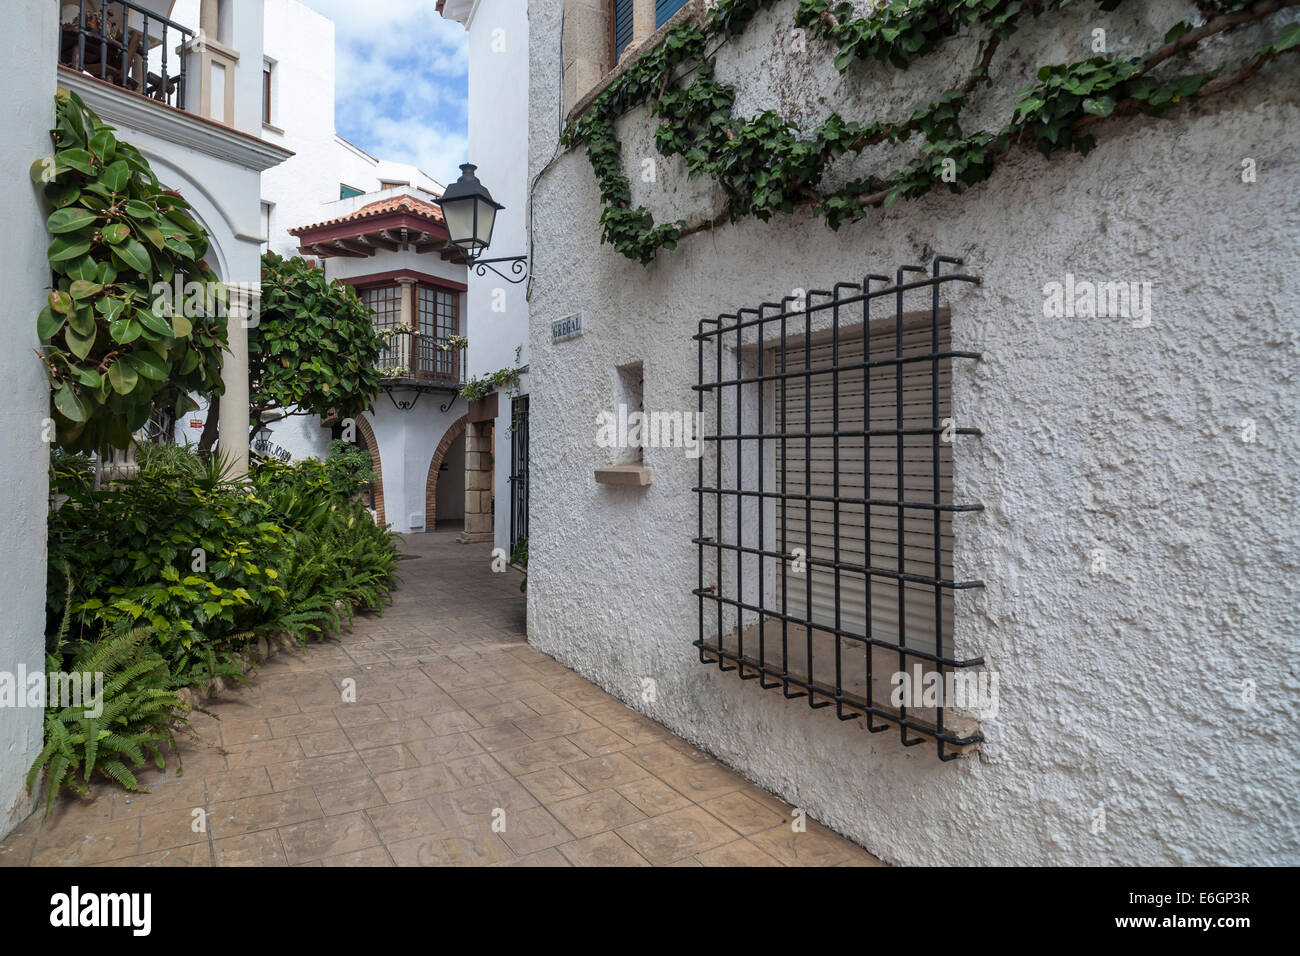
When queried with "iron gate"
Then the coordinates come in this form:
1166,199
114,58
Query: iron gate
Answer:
518,471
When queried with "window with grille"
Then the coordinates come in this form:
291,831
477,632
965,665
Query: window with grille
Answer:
438,314
385,305
827,501
385,302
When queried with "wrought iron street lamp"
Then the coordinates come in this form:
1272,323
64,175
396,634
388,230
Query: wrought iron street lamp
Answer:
470,213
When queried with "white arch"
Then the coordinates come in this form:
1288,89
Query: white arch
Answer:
205,208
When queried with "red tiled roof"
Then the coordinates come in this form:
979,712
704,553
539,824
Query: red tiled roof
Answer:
382,207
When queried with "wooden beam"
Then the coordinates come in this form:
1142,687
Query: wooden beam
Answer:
347,247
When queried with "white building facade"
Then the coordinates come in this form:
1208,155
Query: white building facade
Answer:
497,304
1128,470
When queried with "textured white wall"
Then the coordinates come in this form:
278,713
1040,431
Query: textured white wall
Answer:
407,440
28,70
498,118
1120,689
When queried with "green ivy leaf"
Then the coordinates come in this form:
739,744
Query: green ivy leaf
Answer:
122,377
115,233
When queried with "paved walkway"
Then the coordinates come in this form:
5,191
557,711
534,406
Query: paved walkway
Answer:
464,746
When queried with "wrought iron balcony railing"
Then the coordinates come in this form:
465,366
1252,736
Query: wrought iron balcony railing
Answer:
127,45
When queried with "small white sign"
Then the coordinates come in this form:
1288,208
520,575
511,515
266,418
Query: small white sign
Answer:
569,327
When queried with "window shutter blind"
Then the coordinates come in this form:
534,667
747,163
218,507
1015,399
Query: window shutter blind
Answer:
664,10
622,26
810,465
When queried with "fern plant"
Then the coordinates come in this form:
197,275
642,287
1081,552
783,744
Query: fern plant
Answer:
138,713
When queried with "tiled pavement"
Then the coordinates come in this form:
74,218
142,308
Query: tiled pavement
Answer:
457,722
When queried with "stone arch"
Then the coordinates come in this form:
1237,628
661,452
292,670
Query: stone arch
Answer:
367,435
435,465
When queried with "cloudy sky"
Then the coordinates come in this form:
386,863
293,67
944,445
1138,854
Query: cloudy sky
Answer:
401,81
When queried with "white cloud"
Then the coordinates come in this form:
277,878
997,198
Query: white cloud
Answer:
401,80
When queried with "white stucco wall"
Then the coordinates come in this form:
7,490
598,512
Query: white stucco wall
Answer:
1121,689
498,114
407,440
29,71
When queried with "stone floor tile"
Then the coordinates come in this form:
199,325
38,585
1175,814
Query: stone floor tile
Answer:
701,782
250,849
74,845
595,812
373,856
324,743
742,814
808,848
652,796
540,756
603,849
737,853
551,786
676,834
551,857
610,770
327,837
314,770
442,749
478,848
233,784
175,828
263,812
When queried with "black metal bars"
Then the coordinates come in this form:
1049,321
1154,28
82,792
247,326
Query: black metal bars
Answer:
832,500
115,41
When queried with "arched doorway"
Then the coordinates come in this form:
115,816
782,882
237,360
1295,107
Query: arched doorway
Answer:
366,440
457,430
450,492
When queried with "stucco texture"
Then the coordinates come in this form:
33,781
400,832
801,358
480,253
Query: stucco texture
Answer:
24,465
1123,681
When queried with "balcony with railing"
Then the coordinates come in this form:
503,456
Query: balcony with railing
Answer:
127,45
420,358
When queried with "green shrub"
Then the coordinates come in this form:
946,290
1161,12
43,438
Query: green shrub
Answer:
133,717
208,565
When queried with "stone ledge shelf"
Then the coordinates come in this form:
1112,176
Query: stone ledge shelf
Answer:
625,476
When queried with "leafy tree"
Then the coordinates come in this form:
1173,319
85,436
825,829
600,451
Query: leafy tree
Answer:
114,348
314,348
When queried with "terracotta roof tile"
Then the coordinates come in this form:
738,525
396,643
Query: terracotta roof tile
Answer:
382,207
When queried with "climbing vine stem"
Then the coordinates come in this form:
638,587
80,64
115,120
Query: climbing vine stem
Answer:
765,164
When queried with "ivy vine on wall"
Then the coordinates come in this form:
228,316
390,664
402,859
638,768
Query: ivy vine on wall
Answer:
115,348
765,164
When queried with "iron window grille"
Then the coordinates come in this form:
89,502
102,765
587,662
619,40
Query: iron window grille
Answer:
810,576
518,471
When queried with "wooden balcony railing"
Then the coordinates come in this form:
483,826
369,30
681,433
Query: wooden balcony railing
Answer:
127,45
416,356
